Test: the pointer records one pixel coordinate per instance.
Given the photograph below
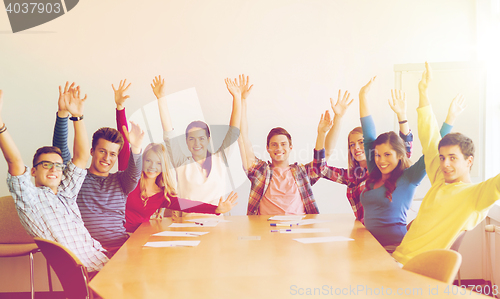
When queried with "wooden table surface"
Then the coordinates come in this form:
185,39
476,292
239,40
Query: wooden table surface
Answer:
228,264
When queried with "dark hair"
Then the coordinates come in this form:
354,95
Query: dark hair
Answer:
465,143
109,134
397,145
46,150
278,131
198,124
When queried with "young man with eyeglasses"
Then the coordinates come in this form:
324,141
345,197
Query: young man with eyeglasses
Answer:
48,208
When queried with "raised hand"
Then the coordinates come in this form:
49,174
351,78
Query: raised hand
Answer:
226,205
158,86
233,88
119,96
457,106
73,102
61,105
398,102
340,107
134,137
243,85
365,89
325,123
426,78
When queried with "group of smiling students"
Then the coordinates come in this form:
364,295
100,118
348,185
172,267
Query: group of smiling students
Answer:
92,211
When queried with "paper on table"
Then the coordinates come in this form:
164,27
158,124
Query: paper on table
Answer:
203,220
179,234
172,243
287,217
208,224
323,239
305,222
304,230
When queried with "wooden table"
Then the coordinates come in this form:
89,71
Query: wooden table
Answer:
227,264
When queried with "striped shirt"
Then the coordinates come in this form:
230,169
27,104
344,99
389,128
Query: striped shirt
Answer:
56,217
102,199
260,174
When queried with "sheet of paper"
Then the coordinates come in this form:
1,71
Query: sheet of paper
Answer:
179,234
172,243
304,222
287,217
323,239
208,220
304,230
194,224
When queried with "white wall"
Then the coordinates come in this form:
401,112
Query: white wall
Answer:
298,54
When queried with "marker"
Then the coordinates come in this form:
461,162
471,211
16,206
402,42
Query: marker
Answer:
286,230
275,231
280,224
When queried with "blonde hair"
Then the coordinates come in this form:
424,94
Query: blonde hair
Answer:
353,164
164,180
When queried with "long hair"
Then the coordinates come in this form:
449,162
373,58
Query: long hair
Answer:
353,164
164,180
375,175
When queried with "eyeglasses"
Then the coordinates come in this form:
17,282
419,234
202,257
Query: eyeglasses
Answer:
49,165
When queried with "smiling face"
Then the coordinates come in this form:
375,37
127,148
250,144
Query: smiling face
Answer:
356,147
197,142
48,177
386,159
454,165
279,149
104,156
152,165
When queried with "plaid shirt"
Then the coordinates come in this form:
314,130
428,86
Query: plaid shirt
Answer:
56,217
260,174
356,182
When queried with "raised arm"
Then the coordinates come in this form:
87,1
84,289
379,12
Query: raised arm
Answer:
121,122
74,105
423,85
363,101
9,149
457,106
60,137
246,149
398,105
235,89
325,124
159,90
339,108
135,137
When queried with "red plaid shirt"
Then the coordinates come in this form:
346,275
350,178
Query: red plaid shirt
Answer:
260,174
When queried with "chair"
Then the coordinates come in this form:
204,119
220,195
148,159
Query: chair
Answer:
70,271
14,240
440,264
455,246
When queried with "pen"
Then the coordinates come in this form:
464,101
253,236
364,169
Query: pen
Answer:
280,224
274,231
199,223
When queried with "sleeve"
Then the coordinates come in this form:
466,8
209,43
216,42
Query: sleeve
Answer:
369,136
22,189
445,129
334,174
488,192
255,169
416,172
408,140
190,206
317,167
230,139
174,149
429,136
130,177
123,156
72,181
60,138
